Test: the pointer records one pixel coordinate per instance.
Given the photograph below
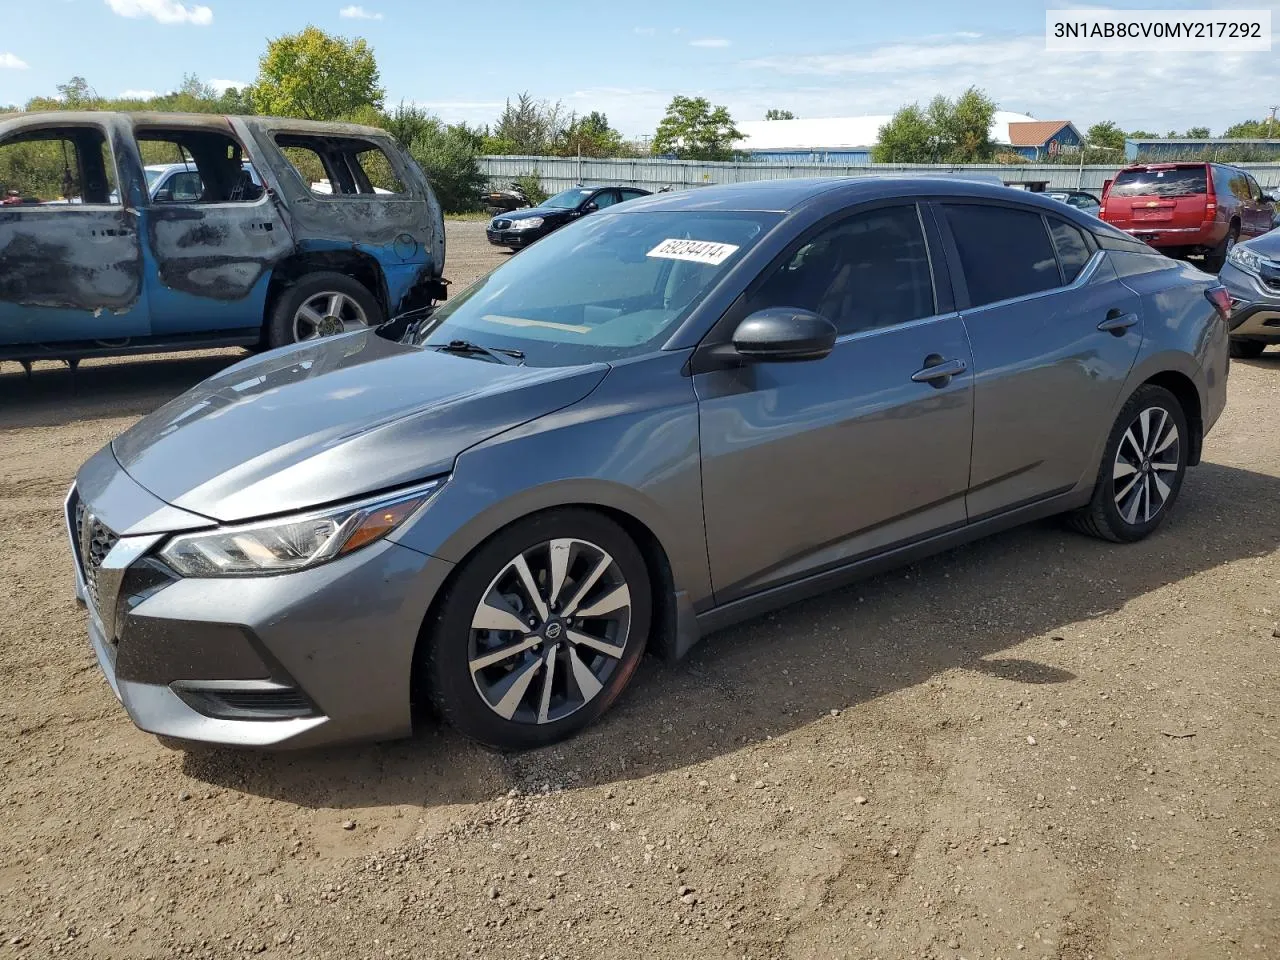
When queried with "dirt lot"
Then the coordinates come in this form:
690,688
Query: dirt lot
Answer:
1036,746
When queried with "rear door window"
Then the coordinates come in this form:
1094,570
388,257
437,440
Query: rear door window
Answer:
1073,249
1004,252
216,168
605,198
1176,182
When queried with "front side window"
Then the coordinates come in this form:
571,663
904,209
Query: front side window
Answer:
863,273
605,288
63,166
1005,252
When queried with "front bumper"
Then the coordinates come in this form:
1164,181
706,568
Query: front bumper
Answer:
515,239
316,657
1255,305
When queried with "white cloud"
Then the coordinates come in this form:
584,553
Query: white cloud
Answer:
222,86
644,31
138,94
357,12
9,61
716,42
163,11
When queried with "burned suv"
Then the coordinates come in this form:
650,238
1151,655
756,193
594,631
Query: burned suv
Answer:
248,252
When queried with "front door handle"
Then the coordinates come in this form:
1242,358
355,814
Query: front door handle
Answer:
1117,322
938,372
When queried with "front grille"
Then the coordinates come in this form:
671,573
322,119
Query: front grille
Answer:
501,224
94,541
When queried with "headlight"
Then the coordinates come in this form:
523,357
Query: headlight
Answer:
294,542
528,224
1245,259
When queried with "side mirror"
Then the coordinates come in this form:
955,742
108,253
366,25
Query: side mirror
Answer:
784,334
163,195
590,207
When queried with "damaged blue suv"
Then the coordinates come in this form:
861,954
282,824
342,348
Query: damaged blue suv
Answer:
282,231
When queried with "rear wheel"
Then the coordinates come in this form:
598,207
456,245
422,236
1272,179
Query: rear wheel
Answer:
319,305
1216,258
540,631
1247,349
1142,469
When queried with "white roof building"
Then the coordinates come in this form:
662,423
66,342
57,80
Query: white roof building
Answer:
840,133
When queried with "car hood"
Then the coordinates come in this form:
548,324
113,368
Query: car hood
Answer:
1267,245
329,421
524,213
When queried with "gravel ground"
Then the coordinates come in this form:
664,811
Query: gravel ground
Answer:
1035,746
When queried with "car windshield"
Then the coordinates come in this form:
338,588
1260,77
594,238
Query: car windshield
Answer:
605,288
567,200
1179,182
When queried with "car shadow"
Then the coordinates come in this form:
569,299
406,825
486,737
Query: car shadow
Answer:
54,395
960,610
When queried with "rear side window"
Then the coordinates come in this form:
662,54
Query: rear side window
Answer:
1073,249
340,166
1004,252
863,273
1177,182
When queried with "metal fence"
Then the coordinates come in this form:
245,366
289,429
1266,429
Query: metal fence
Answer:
560,173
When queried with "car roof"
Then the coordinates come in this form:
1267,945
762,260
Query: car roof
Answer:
783,196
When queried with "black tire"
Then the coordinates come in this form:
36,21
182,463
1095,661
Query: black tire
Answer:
1102,517
1247,349
280,322
1216,258
449,640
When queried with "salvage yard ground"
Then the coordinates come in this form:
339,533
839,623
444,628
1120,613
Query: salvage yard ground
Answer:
1035,746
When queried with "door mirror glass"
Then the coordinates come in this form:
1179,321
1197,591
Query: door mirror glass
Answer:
163,195
590,207
784,334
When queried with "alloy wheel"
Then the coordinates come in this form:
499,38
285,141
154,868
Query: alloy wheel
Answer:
326,314
1146,466
549,631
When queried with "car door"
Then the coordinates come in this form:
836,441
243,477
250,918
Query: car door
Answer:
214,234
1259,210
1054,333
71,266
807,466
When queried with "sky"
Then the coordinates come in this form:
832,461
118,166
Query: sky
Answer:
817,59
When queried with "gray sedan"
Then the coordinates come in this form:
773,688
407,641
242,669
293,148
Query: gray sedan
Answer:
657,421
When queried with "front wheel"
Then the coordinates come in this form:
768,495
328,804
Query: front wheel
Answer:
1142,469
539,632
1247,349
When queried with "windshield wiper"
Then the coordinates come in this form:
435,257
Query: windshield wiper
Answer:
500,354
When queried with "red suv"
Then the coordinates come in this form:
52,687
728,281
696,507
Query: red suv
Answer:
1188,208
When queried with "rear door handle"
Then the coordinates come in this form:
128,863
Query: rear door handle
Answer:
938,372
1117,323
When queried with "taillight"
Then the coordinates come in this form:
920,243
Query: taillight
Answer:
1102,210
1221,300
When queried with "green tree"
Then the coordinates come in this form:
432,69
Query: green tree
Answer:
448,154
956,131
590,136
907,138
779,115
1253,130
1105,133
317,76
76,94
694,130
1197,133
1143,135
529,127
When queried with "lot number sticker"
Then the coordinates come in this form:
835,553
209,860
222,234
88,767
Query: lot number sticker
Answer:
699,251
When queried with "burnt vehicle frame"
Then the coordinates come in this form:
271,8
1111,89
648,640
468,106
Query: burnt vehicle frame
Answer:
112,270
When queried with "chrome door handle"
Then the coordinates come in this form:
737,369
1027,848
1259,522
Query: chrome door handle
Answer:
1117,323
936,371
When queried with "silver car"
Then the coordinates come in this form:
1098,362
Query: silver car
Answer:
655,422
1252,277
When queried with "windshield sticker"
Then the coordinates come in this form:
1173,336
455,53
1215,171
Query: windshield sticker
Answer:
524,322
699,251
